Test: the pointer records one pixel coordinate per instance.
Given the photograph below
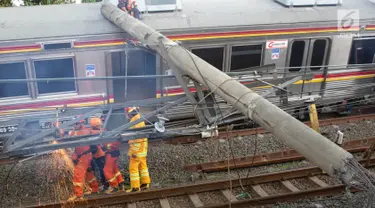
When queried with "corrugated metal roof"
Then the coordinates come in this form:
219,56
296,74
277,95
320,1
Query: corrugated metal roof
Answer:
86,19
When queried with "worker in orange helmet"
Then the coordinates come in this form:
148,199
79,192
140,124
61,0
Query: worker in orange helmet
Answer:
139,175
98,152
111,171
82,158
60,132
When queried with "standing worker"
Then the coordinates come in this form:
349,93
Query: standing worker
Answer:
111,171
98,153
82,158
137,156
134,11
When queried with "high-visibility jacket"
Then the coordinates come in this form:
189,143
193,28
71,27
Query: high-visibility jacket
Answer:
138,147
79,151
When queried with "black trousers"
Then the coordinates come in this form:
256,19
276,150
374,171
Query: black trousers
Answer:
98,165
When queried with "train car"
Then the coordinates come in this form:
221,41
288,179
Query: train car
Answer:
334,59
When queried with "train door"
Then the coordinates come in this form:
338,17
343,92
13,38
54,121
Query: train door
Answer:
135,62
306,57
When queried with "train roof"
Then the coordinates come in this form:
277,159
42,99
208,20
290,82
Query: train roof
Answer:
85,19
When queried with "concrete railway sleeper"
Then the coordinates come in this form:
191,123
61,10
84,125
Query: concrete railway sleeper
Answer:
254,184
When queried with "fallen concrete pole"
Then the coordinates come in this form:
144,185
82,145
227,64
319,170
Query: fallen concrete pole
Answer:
297,135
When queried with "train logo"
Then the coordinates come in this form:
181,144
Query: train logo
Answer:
347,19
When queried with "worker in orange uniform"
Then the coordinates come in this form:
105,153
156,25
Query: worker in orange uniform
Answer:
98,153
139,175
82,158
111,171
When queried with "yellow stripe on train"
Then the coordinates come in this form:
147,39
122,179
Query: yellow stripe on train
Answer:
158,95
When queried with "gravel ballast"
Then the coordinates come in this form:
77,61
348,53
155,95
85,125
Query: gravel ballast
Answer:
38,179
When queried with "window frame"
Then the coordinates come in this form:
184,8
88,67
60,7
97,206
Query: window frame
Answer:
210,47
307,56
47,58
22,97
230,49
370,37
310,54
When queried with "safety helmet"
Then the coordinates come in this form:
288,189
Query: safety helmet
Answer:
95,121
131,109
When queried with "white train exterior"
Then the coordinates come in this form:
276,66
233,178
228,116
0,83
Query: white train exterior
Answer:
62,41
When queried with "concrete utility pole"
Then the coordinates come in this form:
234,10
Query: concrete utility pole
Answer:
316,148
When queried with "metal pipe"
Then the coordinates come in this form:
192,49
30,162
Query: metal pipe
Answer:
297,135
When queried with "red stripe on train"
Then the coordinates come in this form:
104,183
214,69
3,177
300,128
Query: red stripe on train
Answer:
252,32
98,42
15,48
345,74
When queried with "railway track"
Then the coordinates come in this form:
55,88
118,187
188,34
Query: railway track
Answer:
352,146
292,186
233,133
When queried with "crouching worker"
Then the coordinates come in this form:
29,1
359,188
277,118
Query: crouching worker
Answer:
139,176
82,158
98,153
111,171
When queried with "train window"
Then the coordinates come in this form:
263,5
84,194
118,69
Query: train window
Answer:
318,54
57,68
245,57
296,58
362,52
213,56
159,2
13,71
54,46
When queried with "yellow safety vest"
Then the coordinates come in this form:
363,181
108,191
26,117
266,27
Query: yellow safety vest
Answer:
138,147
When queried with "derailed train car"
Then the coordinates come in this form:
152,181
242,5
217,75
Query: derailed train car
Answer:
334,60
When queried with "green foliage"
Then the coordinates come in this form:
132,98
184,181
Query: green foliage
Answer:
5,3
46,2
8,3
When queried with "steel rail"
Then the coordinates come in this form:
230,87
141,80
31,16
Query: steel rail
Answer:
121,197
352,146
223,135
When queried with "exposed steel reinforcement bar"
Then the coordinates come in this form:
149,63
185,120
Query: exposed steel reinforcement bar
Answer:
120,198
352,146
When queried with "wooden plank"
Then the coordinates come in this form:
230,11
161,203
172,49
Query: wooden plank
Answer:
287,184
260,191
196,200
229,195
318,182
164,203
132,205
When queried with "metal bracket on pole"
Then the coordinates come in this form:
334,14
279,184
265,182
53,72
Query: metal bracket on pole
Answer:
184,84
280,87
